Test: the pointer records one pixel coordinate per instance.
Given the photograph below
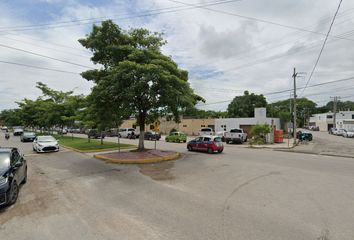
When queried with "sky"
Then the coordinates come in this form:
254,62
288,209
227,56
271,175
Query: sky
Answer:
226,46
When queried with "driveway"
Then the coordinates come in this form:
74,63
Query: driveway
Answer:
240,194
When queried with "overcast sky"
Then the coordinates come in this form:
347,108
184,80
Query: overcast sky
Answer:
228,48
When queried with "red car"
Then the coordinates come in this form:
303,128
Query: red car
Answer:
208,144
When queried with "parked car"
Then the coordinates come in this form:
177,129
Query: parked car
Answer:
207,143
236,135
18,131
206,131
340,132
45,144
222,134
304,136
332,131
94,133
4,128
28,137
348,134
113,132
13,172
151,135
176,137
128,133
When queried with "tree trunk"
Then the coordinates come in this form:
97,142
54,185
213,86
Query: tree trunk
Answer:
141,118
101,138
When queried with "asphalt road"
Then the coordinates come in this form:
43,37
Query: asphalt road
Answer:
246,194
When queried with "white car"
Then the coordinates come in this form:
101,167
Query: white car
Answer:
45,144
348,134
340,132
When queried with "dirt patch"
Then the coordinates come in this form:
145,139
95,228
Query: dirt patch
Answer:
35,197
158,171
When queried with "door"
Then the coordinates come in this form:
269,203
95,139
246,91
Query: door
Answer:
205,143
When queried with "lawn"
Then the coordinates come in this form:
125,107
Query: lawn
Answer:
94,145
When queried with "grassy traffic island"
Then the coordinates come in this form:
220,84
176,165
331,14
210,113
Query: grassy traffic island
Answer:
82,144
138,157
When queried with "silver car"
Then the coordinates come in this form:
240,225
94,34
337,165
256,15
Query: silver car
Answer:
45,144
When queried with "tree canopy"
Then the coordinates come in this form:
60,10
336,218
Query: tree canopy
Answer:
243,106
135,78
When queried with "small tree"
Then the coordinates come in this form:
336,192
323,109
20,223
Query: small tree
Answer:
259,133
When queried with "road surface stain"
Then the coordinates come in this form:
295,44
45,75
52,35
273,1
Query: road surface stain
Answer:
158,171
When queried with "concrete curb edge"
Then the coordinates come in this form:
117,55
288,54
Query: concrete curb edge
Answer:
171,157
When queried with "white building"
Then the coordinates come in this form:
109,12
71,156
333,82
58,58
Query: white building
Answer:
260,117
325,121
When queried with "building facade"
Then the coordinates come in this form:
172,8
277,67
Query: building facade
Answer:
325,121
260,117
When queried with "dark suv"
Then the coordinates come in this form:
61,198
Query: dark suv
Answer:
94,133
13,172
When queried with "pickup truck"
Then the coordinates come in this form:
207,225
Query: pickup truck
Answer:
235,135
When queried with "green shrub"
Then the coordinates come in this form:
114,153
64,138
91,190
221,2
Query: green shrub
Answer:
259,133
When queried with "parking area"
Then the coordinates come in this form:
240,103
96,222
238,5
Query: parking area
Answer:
324,143
239,194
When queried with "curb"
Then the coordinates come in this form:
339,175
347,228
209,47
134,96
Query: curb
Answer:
138,161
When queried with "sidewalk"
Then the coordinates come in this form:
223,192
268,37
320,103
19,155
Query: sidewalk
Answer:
284,145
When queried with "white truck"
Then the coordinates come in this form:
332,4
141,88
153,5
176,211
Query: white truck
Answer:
235,135
128,133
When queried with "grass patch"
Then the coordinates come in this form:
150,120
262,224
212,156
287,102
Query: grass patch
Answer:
94,145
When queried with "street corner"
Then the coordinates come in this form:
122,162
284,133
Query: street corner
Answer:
138,157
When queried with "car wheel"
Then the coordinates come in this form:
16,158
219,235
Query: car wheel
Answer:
219,151
190,148
210,150
25,178
13,193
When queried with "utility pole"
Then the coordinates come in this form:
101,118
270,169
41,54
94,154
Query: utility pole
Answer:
335,101
294,124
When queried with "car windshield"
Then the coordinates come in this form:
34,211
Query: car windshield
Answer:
45,139
236,130
206,130
4,161
29,134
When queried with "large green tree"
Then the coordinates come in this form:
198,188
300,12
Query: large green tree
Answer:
281,109
243,106
137,79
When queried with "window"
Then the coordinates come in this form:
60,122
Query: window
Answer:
236,130
152,127
15,157
353,116
207,139
329,116
184,126
202,125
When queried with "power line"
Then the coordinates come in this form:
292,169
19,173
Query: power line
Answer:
44,56
323,46
211,3
285,91
36,67
258,20
168,10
